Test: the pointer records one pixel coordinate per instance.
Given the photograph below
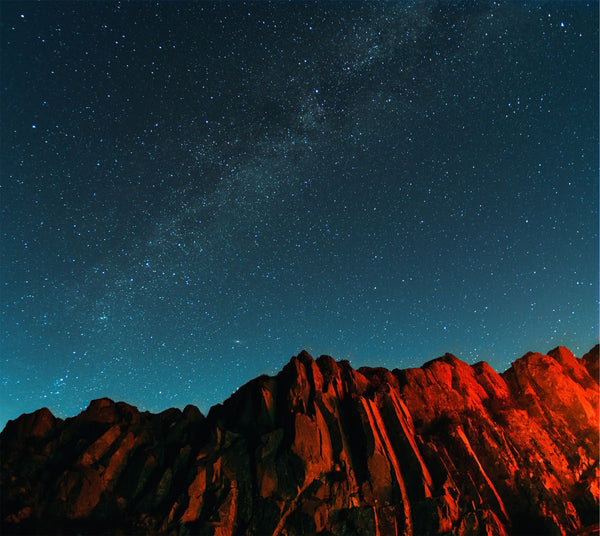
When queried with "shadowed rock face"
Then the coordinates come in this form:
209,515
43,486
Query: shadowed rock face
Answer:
322,448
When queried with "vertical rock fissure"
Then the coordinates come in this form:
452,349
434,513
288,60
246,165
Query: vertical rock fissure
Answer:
463,437
378,428
402,412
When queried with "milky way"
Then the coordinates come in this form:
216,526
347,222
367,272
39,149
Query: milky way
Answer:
194,192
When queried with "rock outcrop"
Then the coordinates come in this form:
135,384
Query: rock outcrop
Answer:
322,448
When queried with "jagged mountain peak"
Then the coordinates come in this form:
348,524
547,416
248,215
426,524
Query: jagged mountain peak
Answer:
322,448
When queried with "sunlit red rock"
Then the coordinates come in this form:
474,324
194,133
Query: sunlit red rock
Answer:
321,448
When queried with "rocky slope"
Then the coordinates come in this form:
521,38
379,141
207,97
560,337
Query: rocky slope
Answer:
322,448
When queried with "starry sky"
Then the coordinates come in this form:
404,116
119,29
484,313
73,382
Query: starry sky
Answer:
193,192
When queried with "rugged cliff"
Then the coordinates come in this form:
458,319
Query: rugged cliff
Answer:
322,448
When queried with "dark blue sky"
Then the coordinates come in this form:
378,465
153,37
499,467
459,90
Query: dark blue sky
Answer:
194,192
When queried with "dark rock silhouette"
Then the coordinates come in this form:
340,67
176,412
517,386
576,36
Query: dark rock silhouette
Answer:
322,448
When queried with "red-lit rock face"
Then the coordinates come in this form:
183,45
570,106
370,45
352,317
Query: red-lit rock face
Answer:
324,449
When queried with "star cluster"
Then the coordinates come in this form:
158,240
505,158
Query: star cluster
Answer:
192,192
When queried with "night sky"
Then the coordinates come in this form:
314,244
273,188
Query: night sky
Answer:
192,193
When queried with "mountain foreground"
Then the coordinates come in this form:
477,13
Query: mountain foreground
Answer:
321,448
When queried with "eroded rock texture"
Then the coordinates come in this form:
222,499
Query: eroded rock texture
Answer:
322,448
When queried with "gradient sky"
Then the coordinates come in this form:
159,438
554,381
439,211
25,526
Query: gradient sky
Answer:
192,193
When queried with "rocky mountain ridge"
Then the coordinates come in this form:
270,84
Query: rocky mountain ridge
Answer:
321,448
